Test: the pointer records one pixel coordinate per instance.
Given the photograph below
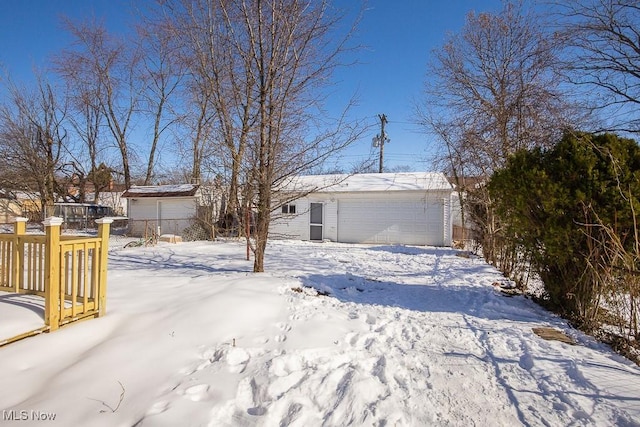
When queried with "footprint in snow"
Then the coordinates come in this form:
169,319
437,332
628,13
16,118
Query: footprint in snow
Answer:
212,354
526,362
352,338
237,359
248,396
369,319
261,340
158,408
279,386
379,369
257,411
284,326
197,393
363,342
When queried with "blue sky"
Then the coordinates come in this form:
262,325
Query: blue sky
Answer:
398,37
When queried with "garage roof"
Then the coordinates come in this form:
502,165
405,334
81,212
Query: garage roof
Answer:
407,181
180,190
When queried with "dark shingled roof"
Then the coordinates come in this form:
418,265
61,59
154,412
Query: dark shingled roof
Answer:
182,190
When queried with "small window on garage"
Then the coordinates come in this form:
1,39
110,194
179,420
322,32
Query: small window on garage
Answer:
288,208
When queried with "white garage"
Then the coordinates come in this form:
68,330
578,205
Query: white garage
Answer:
401,208
161,209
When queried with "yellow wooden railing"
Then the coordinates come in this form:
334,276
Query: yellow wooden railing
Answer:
69,272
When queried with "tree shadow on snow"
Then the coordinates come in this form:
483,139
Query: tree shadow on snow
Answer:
179,264
415,250
30,302
478,301
475,302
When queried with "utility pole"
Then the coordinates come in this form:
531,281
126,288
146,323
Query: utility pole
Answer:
381,139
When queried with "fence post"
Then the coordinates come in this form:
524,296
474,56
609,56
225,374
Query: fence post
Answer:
103,233
17,273
53,305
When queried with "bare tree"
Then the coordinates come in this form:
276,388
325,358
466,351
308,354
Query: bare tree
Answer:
85,119
107,66
161,73
199,122
290,56
208,30
32,140
602,40
258,69
492,90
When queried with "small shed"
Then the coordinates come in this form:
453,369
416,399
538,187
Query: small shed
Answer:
388,208
163,209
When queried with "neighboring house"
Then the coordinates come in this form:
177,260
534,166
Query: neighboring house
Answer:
163,209
10,208
19,203
387,208
114,200
74,188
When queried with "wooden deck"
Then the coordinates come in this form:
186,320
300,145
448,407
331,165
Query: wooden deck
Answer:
47,281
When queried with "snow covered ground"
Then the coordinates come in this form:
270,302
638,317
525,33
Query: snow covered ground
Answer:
406,336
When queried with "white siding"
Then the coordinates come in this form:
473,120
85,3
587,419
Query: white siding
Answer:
176,214
296,226
173,215
291,226
331,219
142,212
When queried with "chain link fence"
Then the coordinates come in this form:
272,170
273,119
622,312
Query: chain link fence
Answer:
149,232
125,232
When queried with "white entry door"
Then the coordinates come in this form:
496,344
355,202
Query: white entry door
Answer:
315,221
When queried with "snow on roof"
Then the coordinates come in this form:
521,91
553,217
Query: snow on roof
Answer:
23,195
408,181
179,190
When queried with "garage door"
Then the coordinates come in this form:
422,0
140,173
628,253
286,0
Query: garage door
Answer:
407,222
